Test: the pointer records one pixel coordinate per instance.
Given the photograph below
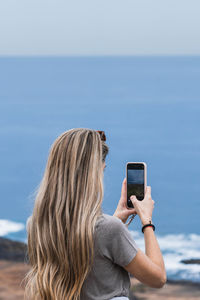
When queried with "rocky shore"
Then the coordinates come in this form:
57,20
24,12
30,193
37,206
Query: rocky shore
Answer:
12,250
13,267
172,290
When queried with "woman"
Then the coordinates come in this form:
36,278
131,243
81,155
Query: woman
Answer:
75,250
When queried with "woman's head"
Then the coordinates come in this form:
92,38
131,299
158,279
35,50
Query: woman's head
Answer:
68,202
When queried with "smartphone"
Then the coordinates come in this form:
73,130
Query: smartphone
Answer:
136,180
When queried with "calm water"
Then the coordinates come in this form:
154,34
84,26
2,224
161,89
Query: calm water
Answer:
150,110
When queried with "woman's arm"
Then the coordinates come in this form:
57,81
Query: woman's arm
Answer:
152,249
148,268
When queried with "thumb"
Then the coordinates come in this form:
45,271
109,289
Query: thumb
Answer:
133,199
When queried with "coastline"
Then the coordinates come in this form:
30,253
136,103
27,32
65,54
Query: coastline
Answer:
173,290
14,266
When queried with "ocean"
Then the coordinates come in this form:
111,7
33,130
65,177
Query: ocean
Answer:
149,108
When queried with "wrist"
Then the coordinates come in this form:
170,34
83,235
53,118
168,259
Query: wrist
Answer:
147,226
119,216
146,220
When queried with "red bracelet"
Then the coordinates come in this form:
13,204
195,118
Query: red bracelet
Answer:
146,225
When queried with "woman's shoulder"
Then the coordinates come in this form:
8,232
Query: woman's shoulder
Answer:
114,240
109,223
108,219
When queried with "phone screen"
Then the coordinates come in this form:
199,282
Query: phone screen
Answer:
135,182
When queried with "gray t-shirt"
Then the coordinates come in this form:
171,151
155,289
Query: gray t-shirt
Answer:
114,248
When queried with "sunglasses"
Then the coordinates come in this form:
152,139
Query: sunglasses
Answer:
102,135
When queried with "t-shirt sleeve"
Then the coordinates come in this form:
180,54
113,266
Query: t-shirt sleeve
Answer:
117,243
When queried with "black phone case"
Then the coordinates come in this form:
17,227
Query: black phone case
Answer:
129,203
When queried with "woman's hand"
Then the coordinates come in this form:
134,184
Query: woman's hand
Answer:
122,212
145,207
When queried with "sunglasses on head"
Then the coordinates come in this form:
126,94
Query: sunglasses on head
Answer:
102,135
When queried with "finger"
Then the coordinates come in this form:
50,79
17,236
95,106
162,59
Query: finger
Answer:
123,191
149,190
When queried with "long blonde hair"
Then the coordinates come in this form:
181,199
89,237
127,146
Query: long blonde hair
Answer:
67,205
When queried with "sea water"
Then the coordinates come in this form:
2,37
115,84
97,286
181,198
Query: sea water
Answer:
149,108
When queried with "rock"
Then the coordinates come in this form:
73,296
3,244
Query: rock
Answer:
13,250
191,261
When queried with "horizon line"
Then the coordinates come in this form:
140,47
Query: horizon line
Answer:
93,55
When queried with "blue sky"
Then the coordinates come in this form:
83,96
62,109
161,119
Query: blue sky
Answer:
103,27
